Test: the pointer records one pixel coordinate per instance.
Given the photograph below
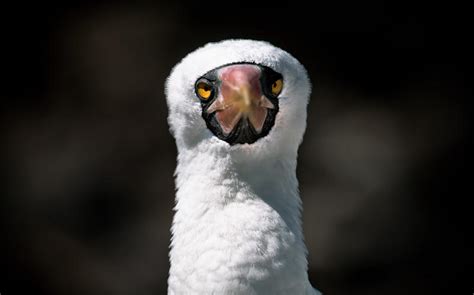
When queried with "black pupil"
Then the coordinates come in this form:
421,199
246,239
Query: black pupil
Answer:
205,87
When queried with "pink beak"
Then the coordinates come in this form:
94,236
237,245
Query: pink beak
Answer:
240,97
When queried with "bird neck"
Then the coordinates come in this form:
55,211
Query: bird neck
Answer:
218,178
237,225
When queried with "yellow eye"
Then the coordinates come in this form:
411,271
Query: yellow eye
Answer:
203,90
277,86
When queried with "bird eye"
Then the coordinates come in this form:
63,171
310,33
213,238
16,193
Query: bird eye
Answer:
204,90
277,86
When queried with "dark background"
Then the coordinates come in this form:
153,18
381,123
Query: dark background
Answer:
87,160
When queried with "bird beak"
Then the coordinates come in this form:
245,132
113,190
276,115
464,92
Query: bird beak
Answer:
240,97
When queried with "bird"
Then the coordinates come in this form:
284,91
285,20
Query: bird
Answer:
237,109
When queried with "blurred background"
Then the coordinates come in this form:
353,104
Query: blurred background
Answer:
87,161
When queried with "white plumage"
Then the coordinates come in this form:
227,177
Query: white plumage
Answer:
237,226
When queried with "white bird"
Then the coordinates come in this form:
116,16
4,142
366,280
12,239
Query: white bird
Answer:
237,109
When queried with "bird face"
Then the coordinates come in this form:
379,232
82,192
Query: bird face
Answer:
238,96
239,101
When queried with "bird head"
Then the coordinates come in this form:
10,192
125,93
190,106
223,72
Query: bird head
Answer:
238,95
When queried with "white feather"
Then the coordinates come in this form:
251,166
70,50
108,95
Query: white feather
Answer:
237,226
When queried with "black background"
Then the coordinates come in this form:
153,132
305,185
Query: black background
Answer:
87,159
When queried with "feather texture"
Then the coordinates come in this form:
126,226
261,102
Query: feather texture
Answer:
237,226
